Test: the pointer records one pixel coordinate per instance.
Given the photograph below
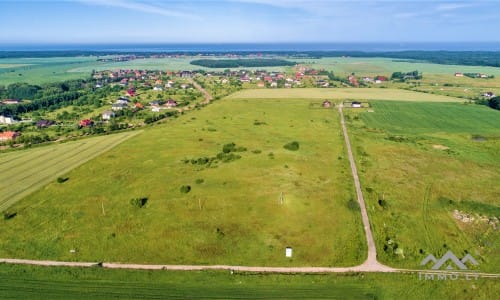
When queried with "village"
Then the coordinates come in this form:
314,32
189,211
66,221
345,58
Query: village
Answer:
132,98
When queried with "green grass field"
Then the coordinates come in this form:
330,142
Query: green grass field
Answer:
43,70
233,213
386,66
62,283
342,94
420,162
24,172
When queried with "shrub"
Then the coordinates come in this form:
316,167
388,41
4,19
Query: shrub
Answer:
228,147
185,189
293,146
352,205
139,202
62,179
9,215
200,180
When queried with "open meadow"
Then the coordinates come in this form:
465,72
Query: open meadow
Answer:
24,172
430,178
214,186
341,94
386,66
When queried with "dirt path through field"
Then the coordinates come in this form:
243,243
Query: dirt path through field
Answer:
207,95
371,263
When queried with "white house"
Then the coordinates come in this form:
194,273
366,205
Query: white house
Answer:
107,115
356,104
7,120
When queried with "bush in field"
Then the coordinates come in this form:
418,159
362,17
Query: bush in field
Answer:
293,146
352,205
9,215
185,189
139,202
62,179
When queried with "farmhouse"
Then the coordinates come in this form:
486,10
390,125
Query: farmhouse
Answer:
356,104
107,115
44,123
171,103
8,135
123,100
7,120
11,101
86,123
352,79
489,95
327,104
131,92
459,74
118,106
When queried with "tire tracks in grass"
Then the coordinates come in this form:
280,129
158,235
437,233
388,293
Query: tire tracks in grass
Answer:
55,169
425,215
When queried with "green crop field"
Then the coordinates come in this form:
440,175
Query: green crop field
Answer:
342,94
419,117
24,172
430,177
386,66
29,282
43,70
243,211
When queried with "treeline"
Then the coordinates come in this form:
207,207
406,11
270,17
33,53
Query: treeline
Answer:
402,76
237,63
493,102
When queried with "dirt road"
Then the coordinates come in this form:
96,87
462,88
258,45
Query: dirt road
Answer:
206,94
371,262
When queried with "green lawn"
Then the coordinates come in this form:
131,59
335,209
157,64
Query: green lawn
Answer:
24,172
420,162
342,94
62,283
233,213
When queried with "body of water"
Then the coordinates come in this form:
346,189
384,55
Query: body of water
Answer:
257,47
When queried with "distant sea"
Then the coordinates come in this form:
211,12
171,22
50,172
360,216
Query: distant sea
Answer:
257,47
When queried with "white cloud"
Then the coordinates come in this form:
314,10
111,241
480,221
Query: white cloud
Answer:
140,7
452,6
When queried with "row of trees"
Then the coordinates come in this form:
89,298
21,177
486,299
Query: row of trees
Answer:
402,76
237,63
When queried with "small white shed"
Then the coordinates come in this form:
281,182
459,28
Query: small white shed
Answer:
288,251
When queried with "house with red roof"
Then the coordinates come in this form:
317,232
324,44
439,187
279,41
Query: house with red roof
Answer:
131,92
9,135
86,123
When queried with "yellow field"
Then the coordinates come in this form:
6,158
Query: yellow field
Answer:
22,173
342,93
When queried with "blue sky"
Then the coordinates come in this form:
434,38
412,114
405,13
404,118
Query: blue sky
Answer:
236,21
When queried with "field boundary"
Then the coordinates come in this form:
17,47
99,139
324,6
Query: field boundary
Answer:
247,269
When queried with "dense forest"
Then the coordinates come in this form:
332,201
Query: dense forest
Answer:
469,58
246,63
